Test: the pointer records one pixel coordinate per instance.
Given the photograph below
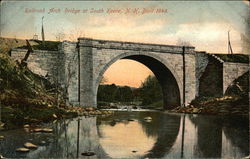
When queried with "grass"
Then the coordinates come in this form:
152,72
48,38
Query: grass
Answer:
240,58
47,45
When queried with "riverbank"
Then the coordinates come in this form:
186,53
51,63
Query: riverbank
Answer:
234,102
226,105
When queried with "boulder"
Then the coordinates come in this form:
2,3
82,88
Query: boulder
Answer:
22,149
196,110
26,126
30,145
47,130
148,118
54,115
37,130
89,109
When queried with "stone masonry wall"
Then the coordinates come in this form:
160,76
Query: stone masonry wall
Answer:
232,71
201,64
211,80
105,53
70,51
45,63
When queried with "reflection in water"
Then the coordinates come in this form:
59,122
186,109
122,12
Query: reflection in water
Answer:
149,139
235,137
167,132
183,135
209,136
128,135
123,139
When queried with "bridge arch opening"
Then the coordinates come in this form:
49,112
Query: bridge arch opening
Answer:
167,80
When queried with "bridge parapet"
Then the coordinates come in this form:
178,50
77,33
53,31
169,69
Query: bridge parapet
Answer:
121,45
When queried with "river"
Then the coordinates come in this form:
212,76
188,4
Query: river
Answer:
129,135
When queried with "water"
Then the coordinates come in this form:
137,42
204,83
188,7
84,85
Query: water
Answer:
128,135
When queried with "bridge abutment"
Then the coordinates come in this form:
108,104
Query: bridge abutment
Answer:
87,96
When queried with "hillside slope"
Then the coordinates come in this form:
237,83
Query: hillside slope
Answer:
26,97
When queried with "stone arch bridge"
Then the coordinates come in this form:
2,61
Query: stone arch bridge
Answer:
181,71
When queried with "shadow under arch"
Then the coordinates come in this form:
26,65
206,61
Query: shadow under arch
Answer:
166,75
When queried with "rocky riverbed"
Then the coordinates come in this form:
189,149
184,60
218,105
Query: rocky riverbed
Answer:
225,105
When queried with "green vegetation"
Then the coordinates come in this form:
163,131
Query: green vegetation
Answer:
47,45
113,93
149,94
234,58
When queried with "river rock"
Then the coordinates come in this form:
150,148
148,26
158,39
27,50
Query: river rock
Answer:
30,145
22,149
1,137
37,130
26,126
47,130
89,109
196,110
148,119
43,142
2,124
88,153
54,115
99,112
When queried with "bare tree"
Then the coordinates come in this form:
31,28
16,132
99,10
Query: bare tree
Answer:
60,36
181,42
75,33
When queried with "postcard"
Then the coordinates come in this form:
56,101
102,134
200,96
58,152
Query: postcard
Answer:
124,79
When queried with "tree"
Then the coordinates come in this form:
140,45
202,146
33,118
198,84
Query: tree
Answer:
60,36
75,34
113,93
150,91
181,42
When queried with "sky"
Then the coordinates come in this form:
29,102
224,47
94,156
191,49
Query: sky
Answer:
203,25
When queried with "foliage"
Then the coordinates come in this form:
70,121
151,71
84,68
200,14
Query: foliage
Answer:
149,94
114,93
150,91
